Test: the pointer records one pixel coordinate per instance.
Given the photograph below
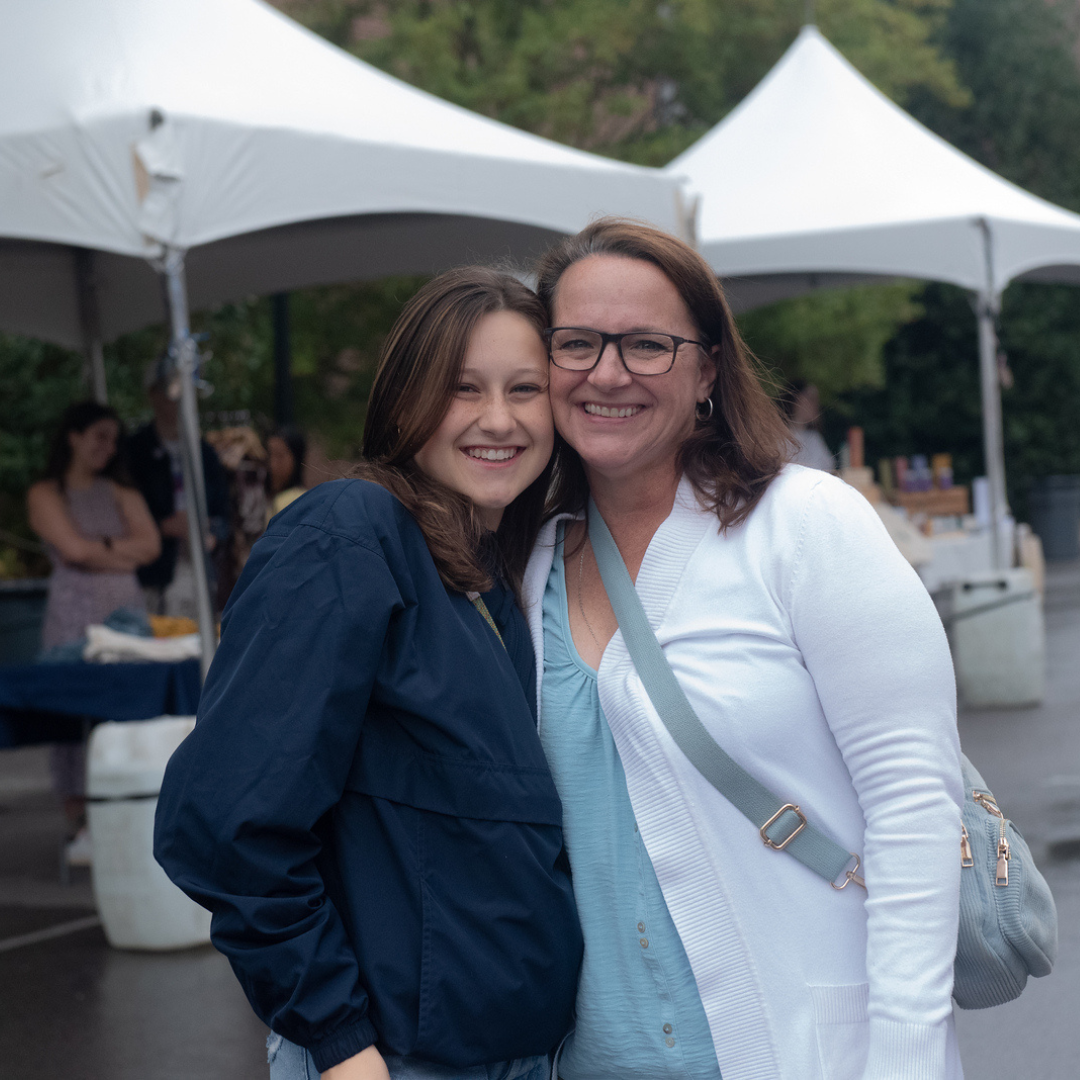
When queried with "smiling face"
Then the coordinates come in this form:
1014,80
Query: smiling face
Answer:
627,426
497,436
94,447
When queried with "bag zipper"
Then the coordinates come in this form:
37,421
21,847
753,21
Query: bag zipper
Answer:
966,858
989,803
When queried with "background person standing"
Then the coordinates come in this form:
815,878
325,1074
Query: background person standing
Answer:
286,449
802,406
156,467
98,531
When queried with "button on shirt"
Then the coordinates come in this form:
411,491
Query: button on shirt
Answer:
639,1014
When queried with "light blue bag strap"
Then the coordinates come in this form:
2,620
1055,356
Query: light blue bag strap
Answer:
782,825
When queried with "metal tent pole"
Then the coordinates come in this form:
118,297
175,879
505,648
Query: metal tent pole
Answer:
987,306
284,410
90,317
185,357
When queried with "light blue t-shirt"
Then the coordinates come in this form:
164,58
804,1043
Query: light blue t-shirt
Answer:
639,1014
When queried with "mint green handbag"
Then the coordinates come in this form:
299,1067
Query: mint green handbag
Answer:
1008,922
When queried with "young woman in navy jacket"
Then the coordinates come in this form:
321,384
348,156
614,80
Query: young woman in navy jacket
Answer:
364,803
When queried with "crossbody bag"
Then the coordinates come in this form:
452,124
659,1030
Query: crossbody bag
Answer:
1008,922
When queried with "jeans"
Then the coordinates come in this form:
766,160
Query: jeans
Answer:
291,1062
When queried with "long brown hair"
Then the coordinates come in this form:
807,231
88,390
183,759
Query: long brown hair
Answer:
418,375
78,417
732,456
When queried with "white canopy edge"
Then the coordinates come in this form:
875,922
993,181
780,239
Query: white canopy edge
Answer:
126,125
818,172
129,293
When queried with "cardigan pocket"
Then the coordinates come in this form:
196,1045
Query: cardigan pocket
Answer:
843,1027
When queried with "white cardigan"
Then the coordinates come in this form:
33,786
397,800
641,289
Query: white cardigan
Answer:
811,651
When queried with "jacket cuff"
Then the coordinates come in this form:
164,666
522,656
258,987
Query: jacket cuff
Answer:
343,1044
911,1051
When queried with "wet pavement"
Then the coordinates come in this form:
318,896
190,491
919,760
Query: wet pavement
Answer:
1031,760
71,1008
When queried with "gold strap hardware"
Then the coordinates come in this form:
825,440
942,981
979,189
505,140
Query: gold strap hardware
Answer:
764,830
851,875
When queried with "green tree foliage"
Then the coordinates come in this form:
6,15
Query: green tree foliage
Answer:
641,81
833,339
33,377
337,333
635,79
928,400
1017,58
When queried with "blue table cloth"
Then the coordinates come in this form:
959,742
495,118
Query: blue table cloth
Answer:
48,702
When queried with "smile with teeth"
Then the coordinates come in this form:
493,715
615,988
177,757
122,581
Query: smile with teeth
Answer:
614,410
492,453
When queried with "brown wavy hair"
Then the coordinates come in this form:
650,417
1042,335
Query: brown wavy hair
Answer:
78,417
417,377
731,457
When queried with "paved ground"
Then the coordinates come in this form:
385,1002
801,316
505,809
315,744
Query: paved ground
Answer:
71,1008
1031,759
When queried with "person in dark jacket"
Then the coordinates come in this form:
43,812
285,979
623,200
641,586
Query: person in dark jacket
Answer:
154,463
364,803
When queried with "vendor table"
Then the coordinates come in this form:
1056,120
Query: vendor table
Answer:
52,702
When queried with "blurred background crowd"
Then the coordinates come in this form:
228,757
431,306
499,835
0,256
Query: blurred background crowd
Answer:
1000,79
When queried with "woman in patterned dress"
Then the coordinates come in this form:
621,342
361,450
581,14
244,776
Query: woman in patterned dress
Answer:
98,530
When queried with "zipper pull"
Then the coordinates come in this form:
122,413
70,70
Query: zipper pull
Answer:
1003,856
966,858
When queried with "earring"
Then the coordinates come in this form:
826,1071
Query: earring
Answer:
704,417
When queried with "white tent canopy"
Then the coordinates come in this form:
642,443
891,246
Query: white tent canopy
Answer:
818,179
136,135
127,125
817,173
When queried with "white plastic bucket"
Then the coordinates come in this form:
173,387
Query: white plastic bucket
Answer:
998,638
140,907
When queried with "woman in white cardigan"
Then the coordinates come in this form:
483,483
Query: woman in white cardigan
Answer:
811,653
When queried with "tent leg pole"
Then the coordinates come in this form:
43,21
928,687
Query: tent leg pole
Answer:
185,357
90,316
284,411
993,435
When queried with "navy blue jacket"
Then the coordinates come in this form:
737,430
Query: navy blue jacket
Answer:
364,804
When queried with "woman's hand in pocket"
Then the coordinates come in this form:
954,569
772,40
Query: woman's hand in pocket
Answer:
367,1065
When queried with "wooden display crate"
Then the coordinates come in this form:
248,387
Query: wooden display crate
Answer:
952,502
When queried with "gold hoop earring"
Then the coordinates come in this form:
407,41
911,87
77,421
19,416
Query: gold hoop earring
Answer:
704,417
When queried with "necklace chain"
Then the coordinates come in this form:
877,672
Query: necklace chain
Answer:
581,602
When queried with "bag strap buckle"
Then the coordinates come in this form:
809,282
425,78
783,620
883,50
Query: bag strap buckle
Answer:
851,874
764,830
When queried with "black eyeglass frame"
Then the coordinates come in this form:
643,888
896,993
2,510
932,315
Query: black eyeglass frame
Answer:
616,340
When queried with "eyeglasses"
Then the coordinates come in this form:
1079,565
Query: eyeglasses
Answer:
576,348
